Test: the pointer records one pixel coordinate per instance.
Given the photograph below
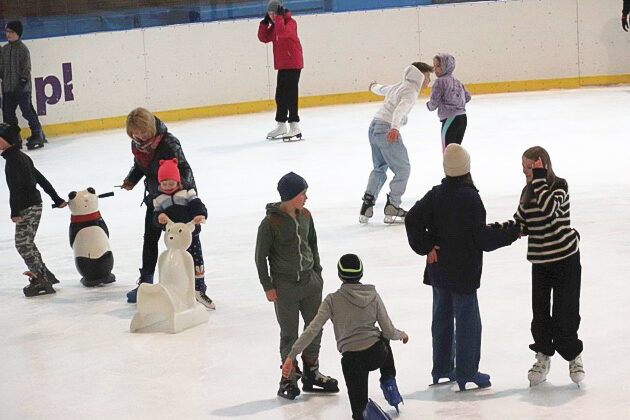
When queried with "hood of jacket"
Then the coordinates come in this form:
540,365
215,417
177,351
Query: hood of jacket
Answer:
358,294
448,64
414,76
274,208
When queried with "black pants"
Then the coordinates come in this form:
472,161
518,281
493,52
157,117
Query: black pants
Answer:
356,367
555,329
150,246
453,130
287,95
10,102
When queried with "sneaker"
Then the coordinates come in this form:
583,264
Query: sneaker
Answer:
204,299
367,208
538,373
280,130
576,369
394,214
294,130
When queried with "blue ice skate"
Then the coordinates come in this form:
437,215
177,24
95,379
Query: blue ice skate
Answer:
144,278
482,380
373,411
390,391
437,376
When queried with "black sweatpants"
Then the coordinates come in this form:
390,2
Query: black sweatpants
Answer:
10,103
453,130
152,235
356,367
556,328
287,95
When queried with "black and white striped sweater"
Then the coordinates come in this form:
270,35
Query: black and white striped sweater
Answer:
547,221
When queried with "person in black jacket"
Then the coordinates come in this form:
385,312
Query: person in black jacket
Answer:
177,205
26,208
624,15
448,225
151,142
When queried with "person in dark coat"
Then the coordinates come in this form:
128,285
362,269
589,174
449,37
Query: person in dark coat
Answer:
26,208
448,225
624,15
151,142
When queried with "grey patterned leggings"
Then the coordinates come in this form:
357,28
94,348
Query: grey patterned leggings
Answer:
25,232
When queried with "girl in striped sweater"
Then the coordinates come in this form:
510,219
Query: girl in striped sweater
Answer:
553,249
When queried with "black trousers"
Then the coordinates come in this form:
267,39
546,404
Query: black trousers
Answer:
150,245
10,102
453,130
556,328
287,95
356,367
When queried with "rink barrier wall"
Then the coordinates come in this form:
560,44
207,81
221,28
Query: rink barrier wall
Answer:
89,82
323,100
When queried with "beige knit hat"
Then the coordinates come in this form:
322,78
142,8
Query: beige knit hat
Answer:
456,160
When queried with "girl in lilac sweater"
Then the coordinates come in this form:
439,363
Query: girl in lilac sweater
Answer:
449,96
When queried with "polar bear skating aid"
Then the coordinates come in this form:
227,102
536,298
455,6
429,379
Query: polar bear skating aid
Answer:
173,298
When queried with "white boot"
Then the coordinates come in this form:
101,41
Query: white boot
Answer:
576,369
538,373
204,299
294,130
280,130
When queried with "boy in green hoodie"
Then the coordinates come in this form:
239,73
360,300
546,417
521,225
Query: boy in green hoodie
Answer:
354,309
292,280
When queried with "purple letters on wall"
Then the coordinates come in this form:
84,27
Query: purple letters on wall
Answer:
40,89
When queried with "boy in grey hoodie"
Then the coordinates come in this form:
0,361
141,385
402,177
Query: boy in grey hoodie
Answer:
449,96
354,309
293,280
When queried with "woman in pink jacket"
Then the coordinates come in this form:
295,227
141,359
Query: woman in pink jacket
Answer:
278,27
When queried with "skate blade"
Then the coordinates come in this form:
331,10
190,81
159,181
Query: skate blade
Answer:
274,138
442,383
532,384
478,388
319,390
297,137
34,146
390,220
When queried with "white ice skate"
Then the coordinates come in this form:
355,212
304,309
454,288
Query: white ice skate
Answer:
538,373
278,132
202,298
294,133
576,370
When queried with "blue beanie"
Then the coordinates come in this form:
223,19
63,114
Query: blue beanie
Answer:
290,186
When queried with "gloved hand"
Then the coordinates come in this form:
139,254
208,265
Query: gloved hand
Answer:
624,22
267,20
281,11
495,225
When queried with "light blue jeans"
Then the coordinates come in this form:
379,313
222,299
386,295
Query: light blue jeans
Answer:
385,155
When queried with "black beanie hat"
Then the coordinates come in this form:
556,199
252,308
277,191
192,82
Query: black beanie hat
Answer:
9,133
290,186
15,26
350,268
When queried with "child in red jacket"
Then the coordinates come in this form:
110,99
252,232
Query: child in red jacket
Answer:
279,28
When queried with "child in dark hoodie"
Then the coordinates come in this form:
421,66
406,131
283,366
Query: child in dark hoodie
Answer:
293,278
449,96
354,309
26,208
179,205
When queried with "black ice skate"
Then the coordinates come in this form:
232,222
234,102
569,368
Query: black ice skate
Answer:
37,286
367,208
393,214
288,388
313,378
34,142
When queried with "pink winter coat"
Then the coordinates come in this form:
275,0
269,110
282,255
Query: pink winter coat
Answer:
287,50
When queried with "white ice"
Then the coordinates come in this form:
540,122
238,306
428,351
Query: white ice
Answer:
71,356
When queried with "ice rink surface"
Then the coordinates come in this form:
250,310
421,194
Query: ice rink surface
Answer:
71,356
